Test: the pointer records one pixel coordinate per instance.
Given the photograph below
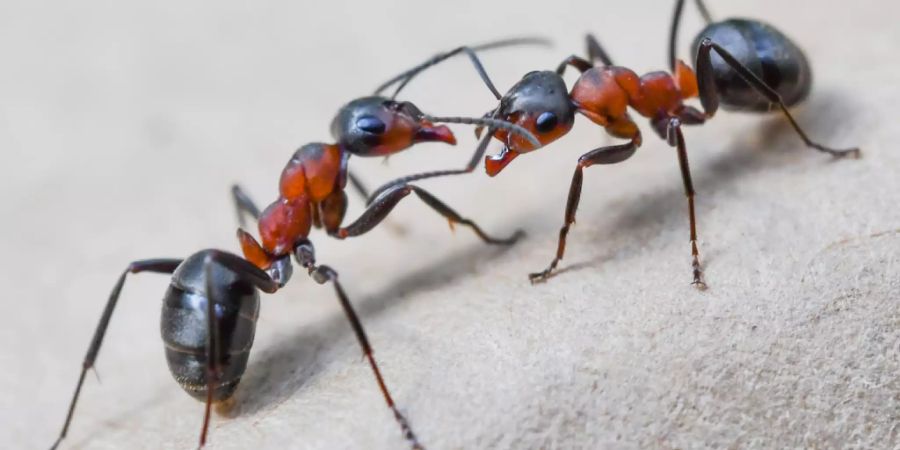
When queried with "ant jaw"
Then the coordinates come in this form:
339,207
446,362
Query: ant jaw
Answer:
494,164
427,132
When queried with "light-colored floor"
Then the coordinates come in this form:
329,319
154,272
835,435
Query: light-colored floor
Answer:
121,128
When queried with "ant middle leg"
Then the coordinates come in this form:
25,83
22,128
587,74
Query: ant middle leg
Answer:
603,155
387,200
709,97
166,266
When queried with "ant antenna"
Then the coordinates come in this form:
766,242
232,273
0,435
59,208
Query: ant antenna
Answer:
407,75
491,123
676,21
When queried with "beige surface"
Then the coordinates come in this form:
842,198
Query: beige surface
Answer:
122,127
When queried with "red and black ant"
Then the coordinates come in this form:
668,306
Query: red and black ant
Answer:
210,309
746,65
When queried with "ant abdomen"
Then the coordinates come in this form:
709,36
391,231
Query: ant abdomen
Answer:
184,327
765,51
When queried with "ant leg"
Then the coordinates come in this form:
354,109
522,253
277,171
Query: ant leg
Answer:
305,254
358,185
360,188
473,163
149,265
603,155
386,202
577,62
675,138
248,272
323,274
676,21
408,75
212,346
595,51
243,204
709,98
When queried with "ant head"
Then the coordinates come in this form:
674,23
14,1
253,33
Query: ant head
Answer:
376,126
540,103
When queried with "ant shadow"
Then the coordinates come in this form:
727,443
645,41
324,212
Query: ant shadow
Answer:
285,368
282,370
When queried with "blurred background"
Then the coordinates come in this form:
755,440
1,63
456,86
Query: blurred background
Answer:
123,125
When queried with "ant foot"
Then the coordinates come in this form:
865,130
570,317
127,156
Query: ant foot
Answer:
506,242
407,430
698,279
539,277
519,234
854,153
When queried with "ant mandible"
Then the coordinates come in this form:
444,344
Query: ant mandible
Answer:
745,64
211,307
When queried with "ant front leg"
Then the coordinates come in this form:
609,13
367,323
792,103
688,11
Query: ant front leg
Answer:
709,97
675,138
387,200
166,266
603,155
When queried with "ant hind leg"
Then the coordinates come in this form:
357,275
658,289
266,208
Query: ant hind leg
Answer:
166,266
709,97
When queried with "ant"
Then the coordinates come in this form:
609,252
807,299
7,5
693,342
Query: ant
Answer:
743,64
211,307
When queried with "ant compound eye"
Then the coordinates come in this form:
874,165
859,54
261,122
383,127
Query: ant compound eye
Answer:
370,124
546,122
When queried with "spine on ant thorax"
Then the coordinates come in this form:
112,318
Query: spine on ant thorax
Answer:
310,193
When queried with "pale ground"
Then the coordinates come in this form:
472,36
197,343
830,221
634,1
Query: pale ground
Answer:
121,129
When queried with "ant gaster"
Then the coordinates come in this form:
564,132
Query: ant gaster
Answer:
211,307
745,64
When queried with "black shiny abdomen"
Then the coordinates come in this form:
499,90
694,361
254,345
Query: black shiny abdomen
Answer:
767,53
184,326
